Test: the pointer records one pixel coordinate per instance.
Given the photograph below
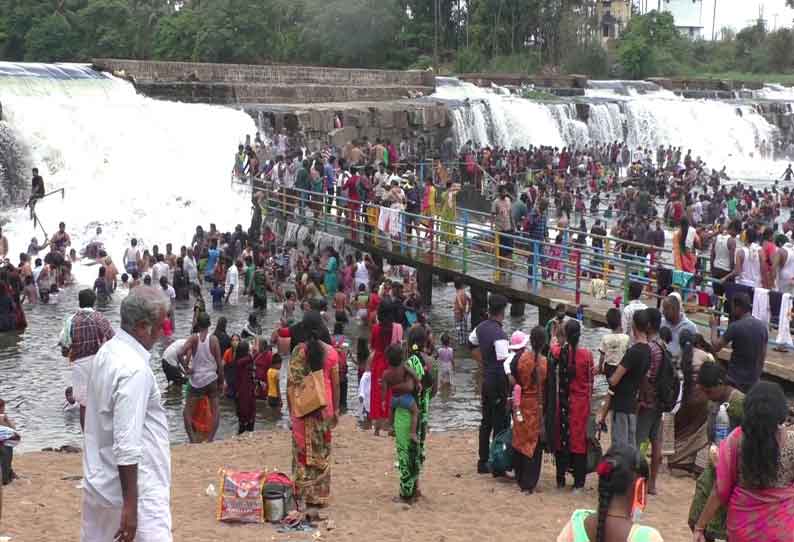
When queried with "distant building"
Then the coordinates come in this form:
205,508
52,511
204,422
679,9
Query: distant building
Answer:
688,16
613,17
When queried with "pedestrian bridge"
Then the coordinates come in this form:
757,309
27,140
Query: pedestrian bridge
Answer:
544,274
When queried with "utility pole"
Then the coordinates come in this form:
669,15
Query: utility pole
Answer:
435,34
714,23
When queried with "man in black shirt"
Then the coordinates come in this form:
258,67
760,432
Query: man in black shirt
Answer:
36,191
489,347
748,337
624,384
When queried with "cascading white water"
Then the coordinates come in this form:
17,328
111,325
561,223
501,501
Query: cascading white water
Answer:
722,133
491,118
136,166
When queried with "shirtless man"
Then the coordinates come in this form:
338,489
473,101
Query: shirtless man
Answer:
461,310
61,240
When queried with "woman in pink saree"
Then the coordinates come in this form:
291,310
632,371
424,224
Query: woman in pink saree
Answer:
755,470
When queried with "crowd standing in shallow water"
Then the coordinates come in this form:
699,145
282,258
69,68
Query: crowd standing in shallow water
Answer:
537,384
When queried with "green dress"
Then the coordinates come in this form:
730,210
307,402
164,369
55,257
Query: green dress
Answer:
448,214
331,279
705,483
411,455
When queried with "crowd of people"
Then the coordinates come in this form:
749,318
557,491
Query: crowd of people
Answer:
537,385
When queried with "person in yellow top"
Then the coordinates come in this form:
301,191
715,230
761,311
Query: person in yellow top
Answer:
273,389
429,204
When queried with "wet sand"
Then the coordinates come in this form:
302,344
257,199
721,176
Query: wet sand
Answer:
458,504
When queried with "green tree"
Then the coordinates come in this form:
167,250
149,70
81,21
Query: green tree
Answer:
51,39
649,44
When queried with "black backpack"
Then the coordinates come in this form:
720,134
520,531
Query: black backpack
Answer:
668,383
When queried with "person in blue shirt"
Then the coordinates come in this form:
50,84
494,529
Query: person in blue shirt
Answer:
212,259
217,293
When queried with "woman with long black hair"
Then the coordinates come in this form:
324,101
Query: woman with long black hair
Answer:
311,433
385,333
570,388
691,432
621,496
755,470
528,369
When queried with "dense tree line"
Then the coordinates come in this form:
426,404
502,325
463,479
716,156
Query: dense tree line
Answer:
367,33
651,46
473,35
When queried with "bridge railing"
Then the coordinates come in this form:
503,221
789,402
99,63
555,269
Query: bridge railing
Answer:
472,248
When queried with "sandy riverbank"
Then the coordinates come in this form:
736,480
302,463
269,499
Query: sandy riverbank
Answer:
459,505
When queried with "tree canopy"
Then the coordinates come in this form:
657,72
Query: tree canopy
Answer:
473,35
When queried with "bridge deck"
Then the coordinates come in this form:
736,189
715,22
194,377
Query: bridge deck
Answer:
471,256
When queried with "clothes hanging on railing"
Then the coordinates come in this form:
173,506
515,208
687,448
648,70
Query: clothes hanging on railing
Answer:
761,304
291,232
389,221
598,288
784,329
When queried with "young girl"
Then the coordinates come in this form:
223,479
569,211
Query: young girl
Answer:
273,388
229,367
339,342
446,362
554,259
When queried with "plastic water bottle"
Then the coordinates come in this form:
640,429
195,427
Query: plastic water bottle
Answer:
722,426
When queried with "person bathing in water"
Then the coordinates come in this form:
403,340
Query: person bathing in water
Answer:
397,374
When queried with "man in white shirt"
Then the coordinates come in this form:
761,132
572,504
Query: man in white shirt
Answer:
635,292
160,269
233,283
131,257
127,458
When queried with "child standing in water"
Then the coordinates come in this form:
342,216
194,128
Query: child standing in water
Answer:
396,374
273,389
446,362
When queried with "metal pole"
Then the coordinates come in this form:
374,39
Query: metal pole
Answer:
714,23
435,35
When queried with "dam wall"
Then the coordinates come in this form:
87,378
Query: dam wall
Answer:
241,83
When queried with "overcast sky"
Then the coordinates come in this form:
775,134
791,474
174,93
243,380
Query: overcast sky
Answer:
740,13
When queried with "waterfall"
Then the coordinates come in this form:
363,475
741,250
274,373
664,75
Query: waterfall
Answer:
722,133
136,166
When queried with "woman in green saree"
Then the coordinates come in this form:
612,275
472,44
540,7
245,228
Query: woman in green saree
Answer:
411,454
448,213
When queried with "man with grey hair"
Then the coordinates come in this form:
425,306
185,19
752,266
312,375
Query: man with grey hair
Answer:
127,459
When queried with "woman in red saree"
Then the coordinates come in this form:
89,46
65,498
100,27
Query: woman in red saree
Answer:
685,244
384,333
755,470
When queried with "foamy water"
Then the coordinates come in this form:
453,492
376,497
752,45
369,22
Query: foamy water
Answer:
721,133
136,166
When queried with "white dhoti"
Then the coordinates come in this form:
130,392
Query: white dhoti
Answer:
80,369
100,522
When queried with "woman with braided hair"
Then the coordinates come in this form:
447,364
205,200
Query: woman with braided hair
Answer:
622,476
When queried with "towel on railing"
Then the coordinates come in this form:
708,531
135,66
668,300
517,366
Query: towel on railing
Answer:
389,221
784,330
761,304
598,288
